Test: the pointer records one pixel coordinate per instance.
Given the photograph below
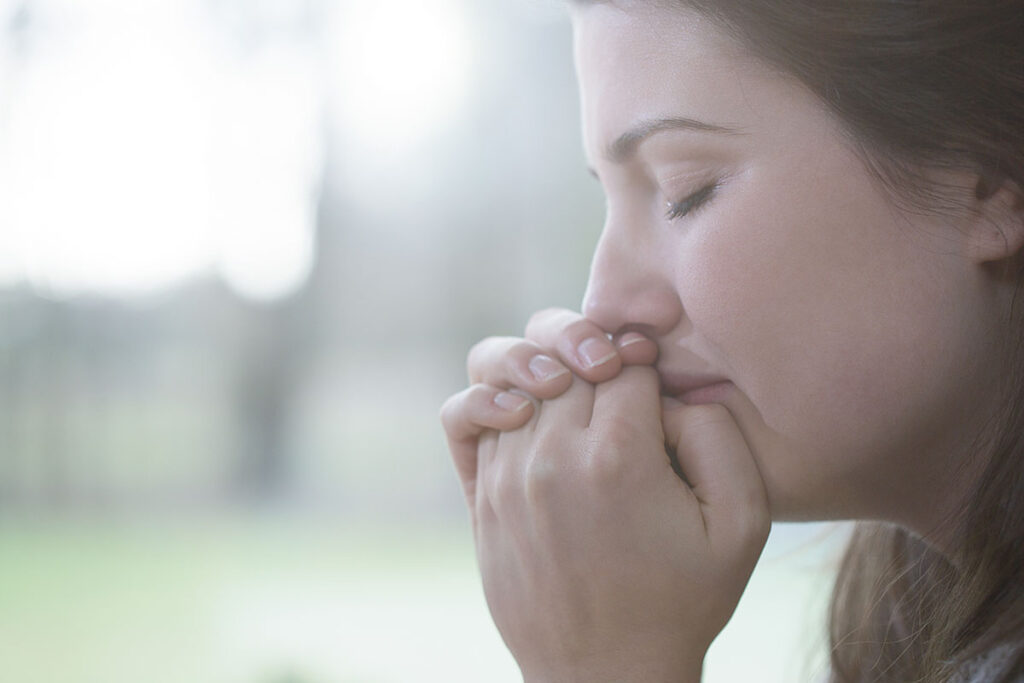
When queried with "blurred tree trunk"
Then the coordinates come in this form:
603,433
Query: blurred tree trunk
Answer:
266,366
278,343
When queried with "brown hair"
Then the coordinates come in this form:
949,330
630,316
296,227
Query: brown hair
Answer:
920,86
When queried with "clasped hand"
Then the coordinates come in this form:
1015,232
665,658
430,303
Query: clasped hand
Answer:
599,562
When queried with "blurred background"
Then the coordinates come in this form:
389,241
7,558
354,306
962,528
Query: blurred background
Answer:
244,248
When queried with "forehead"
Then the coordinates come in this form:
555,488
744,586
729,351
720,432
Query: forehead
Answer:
638,61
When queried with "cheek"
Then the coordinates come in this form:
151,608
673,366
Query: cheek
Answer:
828,320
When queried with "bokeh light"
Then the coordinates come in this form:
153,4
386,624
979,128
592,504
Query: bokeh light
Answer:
402,67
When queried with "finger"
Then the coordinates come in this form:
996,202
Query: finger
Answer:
632,400
577,342
635,349
508,362
720,468
480,503
570,410
467,414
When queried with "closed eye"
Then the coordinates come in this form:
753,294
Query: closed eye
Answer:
677,210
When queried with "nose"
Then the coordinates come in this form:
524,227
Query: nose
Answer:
630,286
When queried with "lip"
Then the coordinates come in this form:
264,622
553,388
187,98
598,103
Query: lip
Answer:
694,387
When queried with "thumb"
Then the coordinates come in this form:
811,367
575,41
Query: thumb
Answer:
717,463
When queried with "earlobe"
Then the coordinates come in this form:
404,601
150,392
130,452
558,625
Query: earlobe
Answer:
997,222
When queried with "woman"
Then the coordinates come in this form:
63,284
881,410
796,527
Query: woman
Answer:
806,292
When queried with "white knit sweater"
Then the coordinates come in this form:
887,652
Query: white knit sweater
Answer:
985,668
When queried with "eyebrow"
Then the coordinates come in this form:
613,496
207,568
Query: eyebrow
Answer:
625,145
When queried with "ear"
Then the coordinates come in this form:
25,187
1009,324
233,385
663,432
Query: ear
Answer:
996,229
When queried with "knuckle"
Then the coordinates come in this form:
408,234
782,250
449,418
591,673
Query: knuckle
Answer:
546,446
473,358
617,432
748,531
476,395
476,354
478,348
579,329
604,463
754,526
749,538
541,316
518,356
544,321
452,410
541,477
606,468
500,359
467,407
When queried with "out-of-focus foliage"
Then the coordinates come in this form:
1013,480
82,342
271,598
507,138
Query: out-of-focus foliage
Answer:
244,248
211,384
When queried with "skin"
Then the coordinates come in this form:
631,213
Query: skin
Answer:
860,341
855,333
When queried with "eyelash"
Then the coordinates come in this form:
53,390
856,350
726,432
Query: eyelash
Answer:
677,210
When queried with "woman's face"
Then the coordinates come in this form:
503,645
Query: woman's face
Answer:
853,334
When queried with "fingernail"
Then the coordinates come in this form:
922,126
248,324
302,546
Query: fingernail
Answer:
545,369
631,338
596,351
511,402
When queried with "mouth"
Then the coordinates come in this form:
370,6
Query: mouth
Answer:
692,388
